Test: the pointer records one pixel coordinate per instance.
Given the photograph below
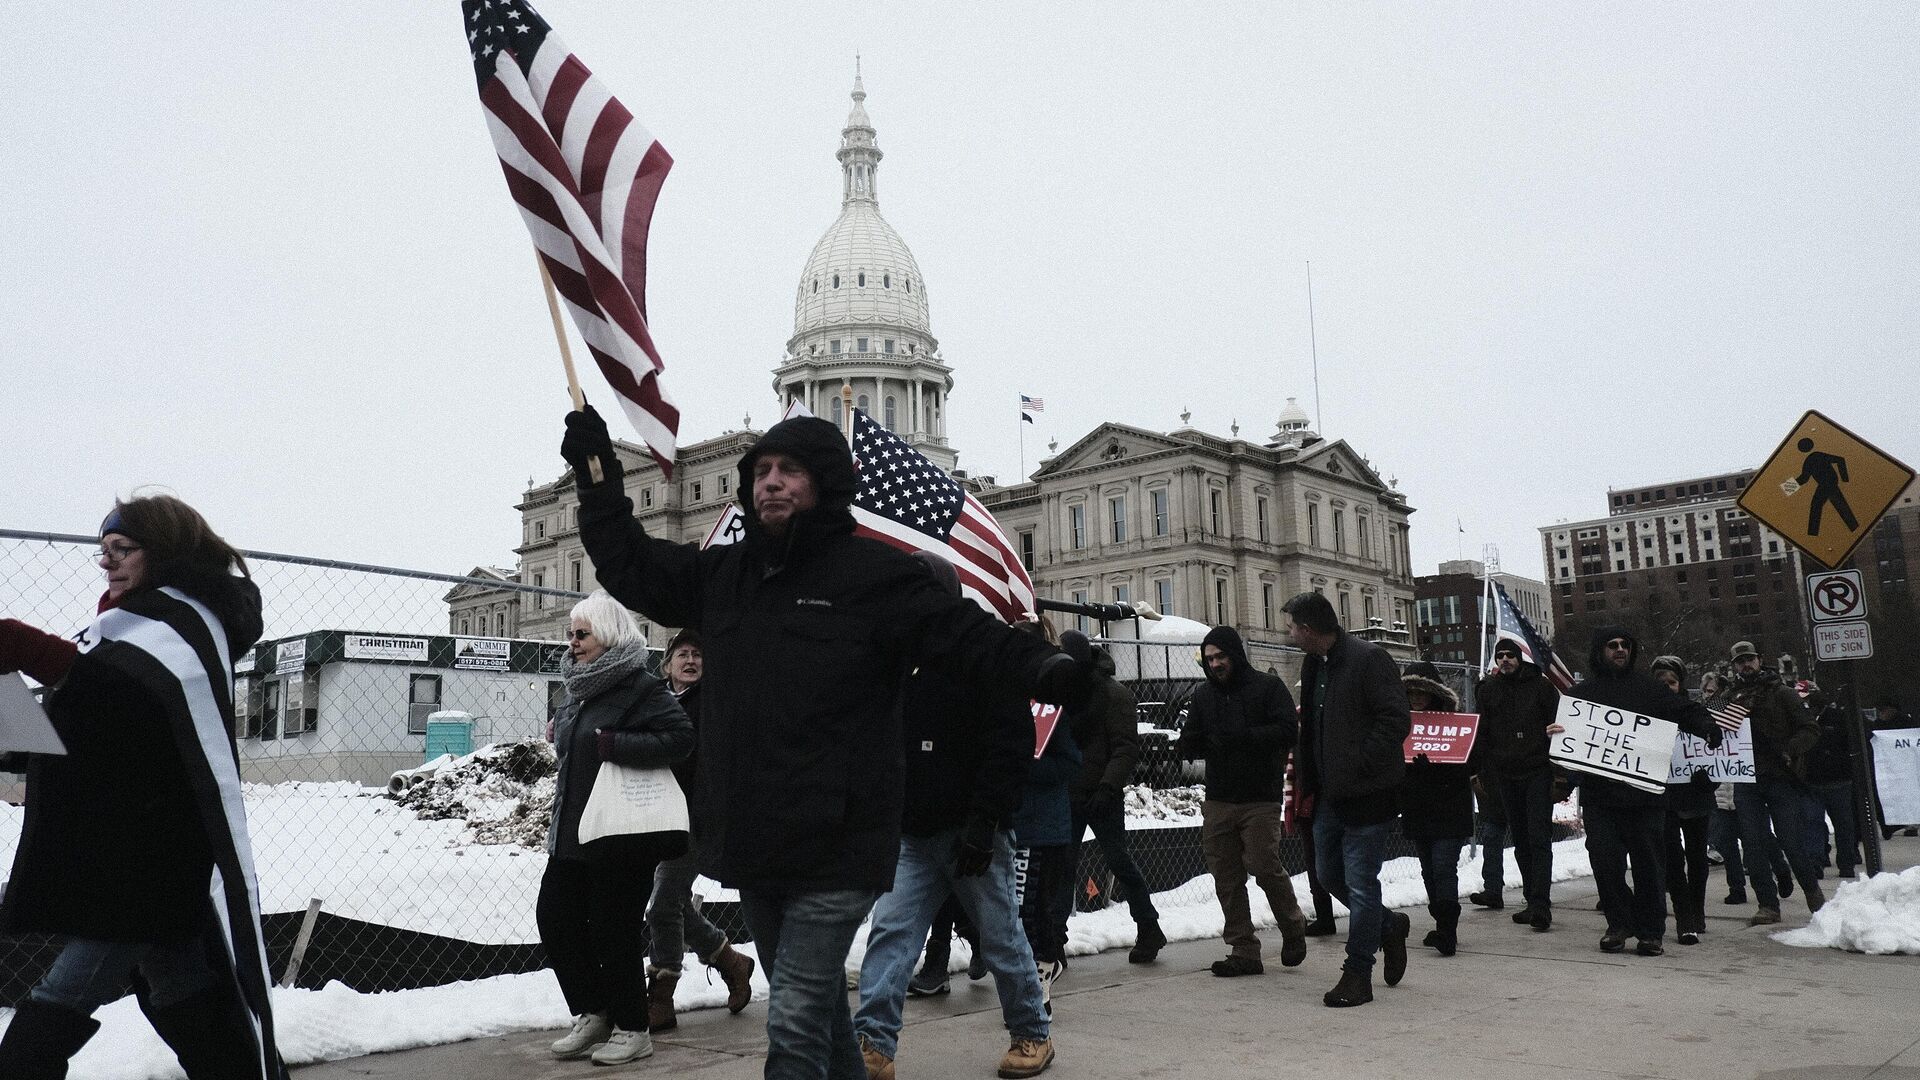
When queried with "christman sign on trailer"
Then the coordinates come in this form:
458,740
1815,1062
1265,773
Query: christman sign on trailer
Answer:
1619,744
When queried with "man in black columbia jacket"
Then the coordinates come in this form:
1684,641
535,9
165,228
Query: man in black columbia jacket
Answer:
1242,722
809,632
1625,825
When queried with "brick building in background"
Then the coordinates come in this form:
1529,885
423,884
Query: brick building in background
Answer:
1685,568
1447,609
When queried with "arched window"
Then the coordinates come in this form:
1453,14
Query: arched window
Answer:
863,404
886,281
863,279
816,284
836,281
836,409
892,413
909,284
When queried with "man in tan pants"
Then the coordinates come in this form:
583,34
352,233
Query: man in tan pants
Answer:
1242,722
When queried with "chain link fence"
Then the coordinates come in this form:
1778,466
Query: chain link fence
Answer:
422,878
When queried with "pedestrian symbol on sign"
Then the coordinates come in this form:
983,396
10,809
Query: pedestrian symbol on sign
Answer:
1828,472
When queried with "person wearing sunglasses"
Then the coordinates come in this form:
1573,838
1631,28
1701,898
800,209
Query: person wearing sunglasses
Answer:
1517,705
1626,827
133,854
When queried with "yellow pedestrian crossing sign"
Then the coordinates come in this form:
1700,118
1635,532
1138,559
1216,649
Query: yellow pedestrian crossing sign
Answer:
1824,488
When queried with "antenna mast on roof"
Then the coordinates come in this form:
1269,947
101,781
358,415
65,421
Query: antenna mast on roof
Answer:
1313,342
1490,554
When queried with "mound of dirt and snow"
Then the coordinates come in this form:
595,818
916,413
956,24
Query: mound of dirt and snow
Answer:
504,792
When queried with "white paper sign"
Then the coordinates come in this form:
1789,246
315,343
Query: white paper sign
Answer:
1896,767
1619,744
370,647
1732,763
290,656
24,727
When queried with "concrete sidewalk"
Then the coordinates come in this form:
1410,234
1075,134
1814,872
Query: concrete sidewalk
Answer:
1511,1004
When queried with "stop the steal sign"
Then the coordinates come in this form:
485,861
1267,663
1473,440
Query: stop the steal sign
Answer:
1446,738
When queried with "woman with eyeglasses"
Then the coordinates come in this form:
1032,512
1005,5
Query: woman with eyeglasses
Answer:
593,899
134,850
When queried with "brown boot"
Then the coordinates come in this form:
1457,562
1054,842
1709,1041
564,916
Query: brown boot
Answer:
660,984
1354,988
1026,1057
736,970
879,1066
1766,916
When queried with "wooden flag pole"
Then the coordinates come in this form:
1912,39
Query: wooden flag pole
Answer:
595,473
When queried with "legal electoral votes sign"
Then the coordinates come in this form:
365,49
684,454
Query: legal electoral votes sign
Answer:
1619,744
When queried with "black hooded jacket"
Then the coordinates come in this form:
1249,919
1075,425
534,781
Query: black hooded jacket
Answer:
1515,711
1353,743
1242,727
1636,691
807,640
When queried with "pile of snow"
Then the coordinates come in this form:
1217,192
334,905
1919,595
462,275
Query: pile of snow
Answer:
1879,915
1146,807
504,792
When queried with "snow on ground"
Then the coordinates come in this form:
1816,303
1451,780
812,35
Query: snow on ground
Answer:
1880,915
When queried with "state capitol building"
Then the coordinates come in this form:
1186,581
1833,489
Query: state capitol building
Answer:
1208,527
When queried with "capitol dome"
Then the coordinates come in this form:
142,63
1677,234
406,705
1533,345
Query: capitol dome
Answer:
861,333
860,272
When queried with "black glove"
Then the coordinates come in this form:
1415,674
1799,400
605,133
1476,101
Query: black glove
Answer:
973,848
587,441
1701,779
1065,681
1103,801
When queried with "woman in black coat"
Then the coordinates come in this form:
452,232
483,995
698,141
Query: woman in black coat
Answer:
593,898
134,851
1436,812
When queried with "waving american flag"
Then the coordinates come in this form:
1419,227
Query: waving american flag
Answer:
909,502
585,175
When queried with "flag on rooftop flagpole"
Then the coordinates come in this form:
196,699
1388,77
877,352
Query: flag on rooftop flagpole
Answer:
1031,405
1510,625
585,175
909,502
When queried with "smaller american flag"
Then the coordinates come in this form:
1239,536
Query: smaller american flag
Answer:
911,503
1729,716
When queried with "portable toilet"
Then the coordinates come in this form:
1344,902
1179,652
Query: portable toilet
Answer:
449,731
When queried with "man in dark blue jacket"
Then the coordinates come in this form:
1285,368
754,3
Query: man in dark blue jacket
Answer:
809,632
1242,722
1353,731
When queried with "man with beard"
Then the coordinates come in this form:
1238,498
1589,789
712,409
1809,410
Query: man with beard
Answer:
1625,825
1782,732
1353,730
809,633
1517,705
1242,722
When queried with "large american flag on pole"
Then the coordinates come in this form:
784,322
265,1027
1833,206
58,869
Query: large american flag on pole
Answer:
1510,625
909,502
585,175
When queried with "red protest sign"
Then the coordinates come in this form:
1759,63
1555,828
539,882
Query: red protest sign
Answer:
1045,719
1446,738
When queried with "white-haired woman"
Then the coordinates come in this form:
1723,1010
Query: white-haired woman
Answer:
593,899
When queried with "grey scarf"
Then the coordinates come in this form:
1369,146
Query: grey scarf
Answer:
586,680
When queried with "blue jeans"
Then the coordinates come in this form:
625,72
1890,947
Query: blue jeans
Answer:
1440,869
803,939
88,973
1782,803
900,922
1350,858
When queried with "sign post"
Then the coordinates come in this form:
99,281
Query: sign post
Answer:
1823,489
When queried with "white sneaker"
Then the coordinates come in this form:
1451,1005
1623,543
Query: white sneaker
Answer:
624,1046
1049,971
589,1031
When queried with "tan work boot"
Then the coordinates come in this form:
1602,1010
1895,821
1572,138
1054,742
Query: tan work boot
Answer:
1027,1057
1766,916
736,970
879,1065
660,985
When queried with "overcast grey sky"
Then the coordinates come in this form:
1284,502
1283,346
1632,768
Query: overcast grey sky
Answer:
263,254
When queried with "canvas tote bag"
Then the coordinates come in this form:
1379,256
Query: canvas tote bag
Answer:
626,800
